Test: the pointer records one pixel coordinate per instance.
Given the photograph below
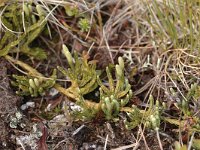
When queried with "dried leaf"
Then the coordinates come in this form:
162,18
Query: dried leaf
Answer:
42,145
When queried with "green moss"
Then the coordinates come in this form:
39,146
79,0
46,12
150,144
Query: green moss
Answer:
84,24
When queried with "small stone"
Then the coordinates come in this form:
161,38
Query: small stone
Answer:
24,107
53,92
27,105
30,104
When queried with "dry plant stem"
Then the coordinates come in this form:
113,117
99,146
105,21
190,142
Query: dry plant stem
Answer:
72,96
158,137
32,71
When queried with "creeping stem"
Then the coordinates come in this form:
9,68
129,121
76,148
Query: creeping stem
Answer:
69,91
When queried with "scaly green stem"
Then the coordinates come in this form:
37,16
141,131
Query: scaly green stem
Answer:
31,71
69,92
75,98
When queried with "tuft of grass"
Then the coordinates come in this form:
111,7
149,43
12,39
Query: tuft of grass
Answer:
175,23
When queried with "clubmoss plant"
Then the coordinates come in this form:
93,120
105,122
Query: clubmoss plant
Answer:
135,117
81,72
153,121
83,77
28,85
21,29
116,95
151,118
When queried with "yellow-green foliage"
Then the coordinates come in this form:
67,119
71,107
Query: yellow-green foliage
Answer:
84,77
84,24
135,117
82,74
28,85
116,95
21,28
151,118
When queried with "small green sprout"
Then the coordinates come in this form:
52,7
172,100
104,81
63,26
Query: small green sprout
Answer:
68,56
155,118
151,118
184,106
84,24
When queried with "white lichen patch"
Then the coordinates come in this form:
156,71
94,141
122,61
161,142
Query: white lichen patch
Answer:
31,139
16,120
